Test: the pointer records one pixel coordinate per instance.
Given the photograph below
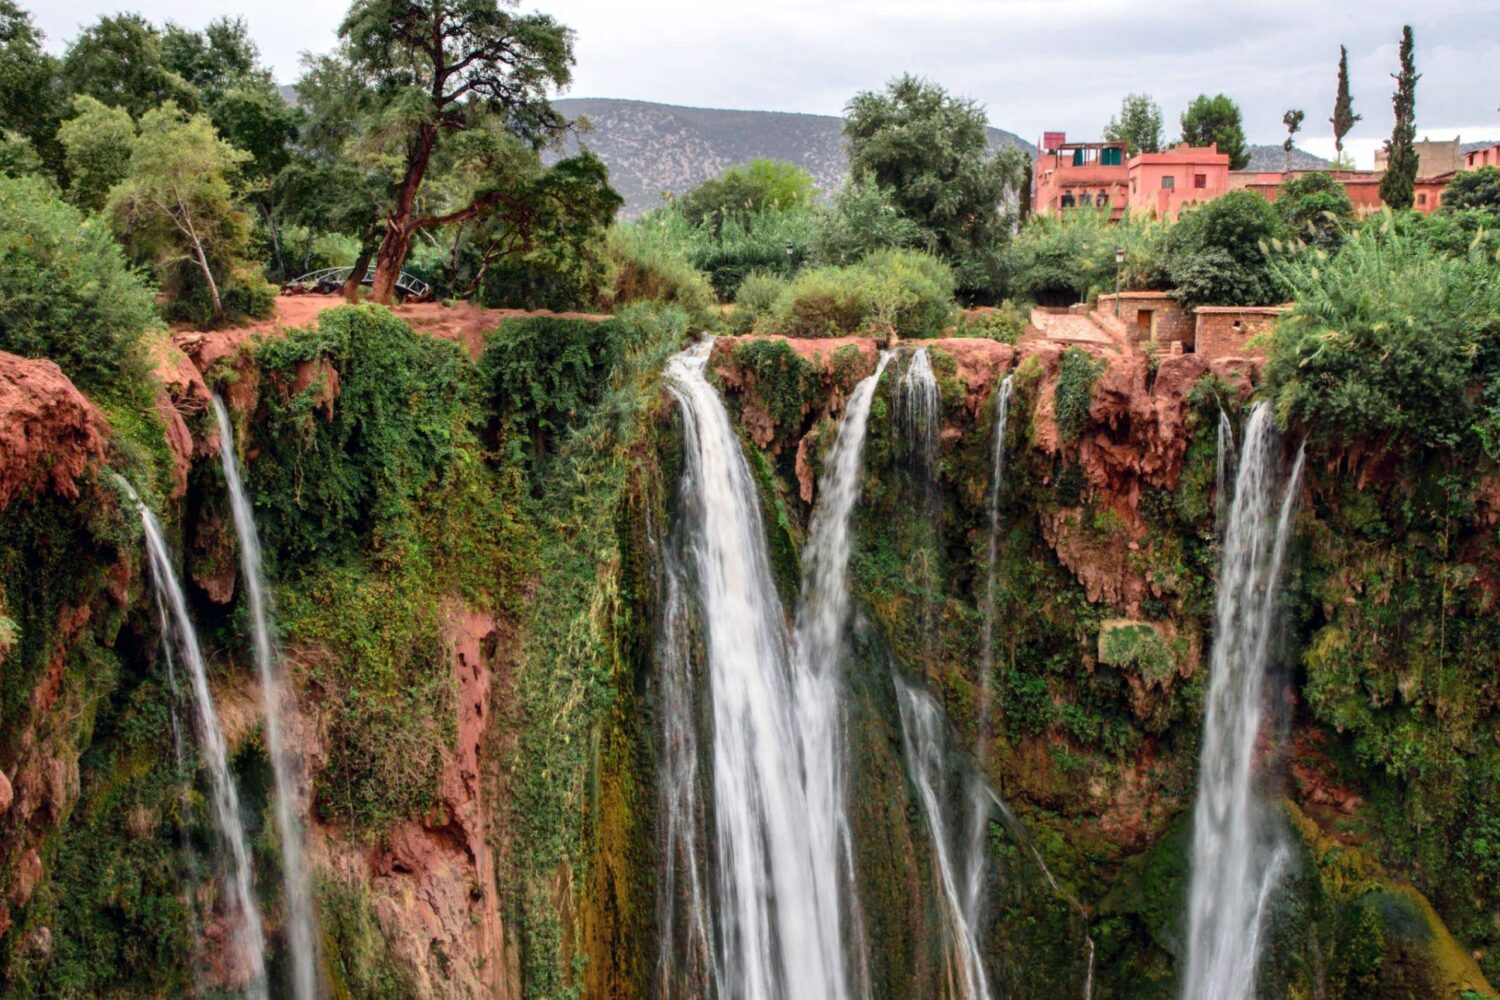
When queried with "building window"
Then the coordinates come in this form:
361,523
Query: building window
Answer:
1200,180
1168,183
1421,199
1067,200
1085,199
1109,157
1102,200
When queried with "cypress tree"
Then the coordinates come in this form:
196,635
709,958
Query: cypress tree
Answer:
1343,106
1398,184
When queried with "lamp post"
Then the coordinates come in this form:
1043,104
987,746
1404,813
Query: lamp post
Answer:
1119,260
789,251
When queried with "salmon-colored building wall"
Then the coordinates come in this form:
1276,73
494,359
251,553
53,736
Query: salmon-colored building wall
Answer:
1166,183
1489,157
1362,187
1158,183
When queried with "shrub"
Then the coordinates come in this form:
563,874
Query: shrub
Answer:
646,263
1074,394
540,374
1005,323
901,290
67,294
1059,260
1222,252
756,297
1315,208
1392,342
332,476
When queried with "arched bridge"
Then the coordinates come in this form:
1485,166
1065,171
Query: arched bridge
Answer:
331,279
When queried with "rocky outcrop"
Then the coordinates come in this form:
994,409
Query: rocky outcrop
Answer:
50,434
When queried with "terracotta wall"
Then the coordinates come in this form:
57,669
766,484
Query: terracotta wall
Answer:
1148,315
1222,331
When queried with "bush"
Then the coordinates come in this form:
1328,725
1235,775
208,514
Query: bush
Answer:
901,290
1005,323
330,477
1316,209
540,375
1222,252
647,263
756,297
67,294
1393,343
1074,394
1060,260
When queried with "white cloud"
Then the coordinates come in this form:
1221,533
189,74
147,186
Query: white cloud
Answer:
1035,64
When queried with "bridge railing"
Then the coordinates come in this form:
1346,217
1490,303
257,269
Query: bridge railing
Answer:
410,286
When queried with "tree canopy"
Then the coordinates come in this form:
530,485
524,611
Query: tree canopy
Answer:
930,153
1216,120
1138,125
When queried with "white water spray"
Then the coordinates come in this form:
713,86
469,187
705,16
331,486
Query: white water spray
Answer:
917,409
244,915
927,764
1238,849
778,806
301,940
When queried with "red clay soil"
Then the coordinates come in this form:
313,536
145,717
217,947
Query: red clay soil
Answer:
463,323
50,433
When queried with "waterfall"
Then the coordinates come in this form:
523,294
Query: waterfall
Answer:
182,772
822,614
1238,850
777,770
301,941
922,733
917,409
1223,469
685,960
244,915
974,843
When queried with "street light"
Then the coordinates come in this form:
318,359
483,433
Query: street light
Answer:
789,251
1119,260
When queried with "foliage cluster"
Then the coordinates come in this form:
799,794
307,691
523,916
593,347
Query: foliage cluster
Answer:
1078,370
1059,260
900,291
67,294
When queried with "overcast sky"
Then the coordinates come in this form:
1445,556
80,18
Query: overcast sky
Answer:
1034,64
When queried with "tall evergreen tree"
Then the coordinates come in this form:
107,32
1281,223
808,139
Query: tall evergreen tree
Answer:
1343,107
1398,184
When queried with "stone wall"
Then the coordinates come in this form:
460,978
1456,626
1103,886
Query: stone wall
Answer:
1149,315
1223,330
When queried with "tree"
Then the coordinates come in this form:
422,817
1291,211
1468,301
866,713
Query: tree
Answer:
444,67
67,293
862,219
1293,122
1216,121
18,157
929,152
543,237
118,60
30,104
1398,185
743,191
1221,252
93,141
214,59
1138,125
1474,190
177,199
1343,107
1316,208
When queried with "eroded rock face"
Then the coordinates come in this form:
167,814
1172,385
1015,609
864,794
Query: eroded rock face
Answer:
50,434
433,881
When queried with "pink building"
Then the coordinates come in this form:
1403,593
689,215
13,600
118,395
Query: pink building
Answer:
1362,187
1488,157
1098,175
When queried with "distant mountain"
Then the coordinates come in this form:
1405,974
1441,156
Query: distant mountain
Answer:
1469,147
654,148
1270,158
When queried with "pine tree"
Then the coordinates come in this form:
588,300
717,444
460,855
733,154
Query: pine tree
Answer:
1343,107
1398,184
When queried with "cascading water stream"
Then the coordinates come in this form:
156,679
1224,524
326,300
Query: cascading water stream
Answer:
974,842
779,819
244,915
917,399
1224,466
922,733
822,614
301,940
1238,849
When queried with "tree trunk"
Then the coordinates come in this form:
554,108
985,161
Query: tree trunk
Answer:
208,275
357,273
399,230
